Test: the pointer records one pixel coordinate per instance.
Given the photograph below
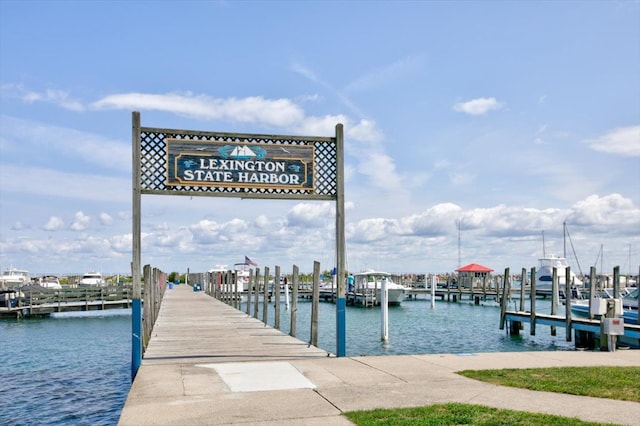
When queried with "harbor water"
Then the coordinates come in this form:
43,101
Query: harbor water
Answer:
416,328
68,369
75,368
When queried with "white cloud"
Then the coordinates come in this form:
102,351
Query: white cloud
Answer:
435,221
80,221
607,211
211,232
381,170
53,224
311,215
364,130
254,109
479,106
52,96
105,219
622,141
262,221
373,229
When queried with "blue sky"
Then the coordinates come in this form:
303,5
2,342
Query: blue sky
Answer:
502,119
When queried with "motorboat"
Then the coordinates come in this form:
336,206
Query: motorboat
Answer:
14,278
50,281
91,279
544,275
242,275
241,272
370,282
628,298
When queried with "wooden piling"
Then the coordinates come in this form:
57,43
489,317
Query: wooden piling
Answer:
146,313
567,298
236,293
315,299
276,298
523,285
532,328
554,297
294,300
592,290
504,301
249,292
256,294
265,296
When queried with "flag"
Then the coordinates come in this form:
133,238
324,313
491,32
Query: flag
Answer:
248,261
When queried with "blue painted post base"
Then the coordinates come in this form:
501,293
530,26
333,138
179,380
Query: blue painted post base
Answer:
341,327
136,337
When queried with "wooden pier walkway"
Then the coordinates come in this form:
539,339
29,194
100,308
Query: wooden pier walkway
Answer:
193,327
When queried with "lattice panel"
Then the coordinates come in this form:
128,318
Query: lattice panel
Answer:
153,167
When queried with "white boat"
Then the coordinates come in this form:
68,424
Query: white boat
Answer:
91,279
544,275
370,282
50,281
629,300
13,278
242,276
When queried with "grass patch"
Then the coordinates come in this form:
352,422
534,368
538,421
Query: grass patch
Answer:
622,383
457,414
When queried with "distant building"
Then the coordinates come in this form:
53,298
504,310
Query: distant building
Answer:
473,275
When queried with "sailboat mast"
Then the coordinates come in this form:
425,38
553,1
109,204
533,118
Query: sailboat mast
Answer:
544,253
459,252
564,239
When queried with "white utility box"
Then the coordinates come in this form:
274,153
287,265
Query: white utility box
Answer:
598,306
613,326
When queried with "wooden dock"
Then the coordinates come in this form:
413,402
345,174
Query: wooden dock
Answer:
631,331
588,331
36,301
220,334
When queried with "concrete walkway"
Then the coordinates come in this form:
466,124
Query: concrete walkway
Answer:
209,364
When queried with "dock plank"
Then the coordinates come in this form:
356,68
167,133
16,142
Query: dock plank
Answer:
193,328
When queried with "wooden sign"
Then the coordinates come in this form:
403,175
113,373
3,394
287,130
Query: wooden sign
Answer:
239,165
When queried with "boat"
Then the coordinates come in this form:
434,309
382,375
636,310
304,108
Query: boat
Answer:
241,271
369,283
91,279
50,281
628,298
546,264
242,275
544,275
14,278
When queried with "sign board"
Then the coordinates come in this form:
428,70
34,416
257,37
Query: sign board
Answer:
239,165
